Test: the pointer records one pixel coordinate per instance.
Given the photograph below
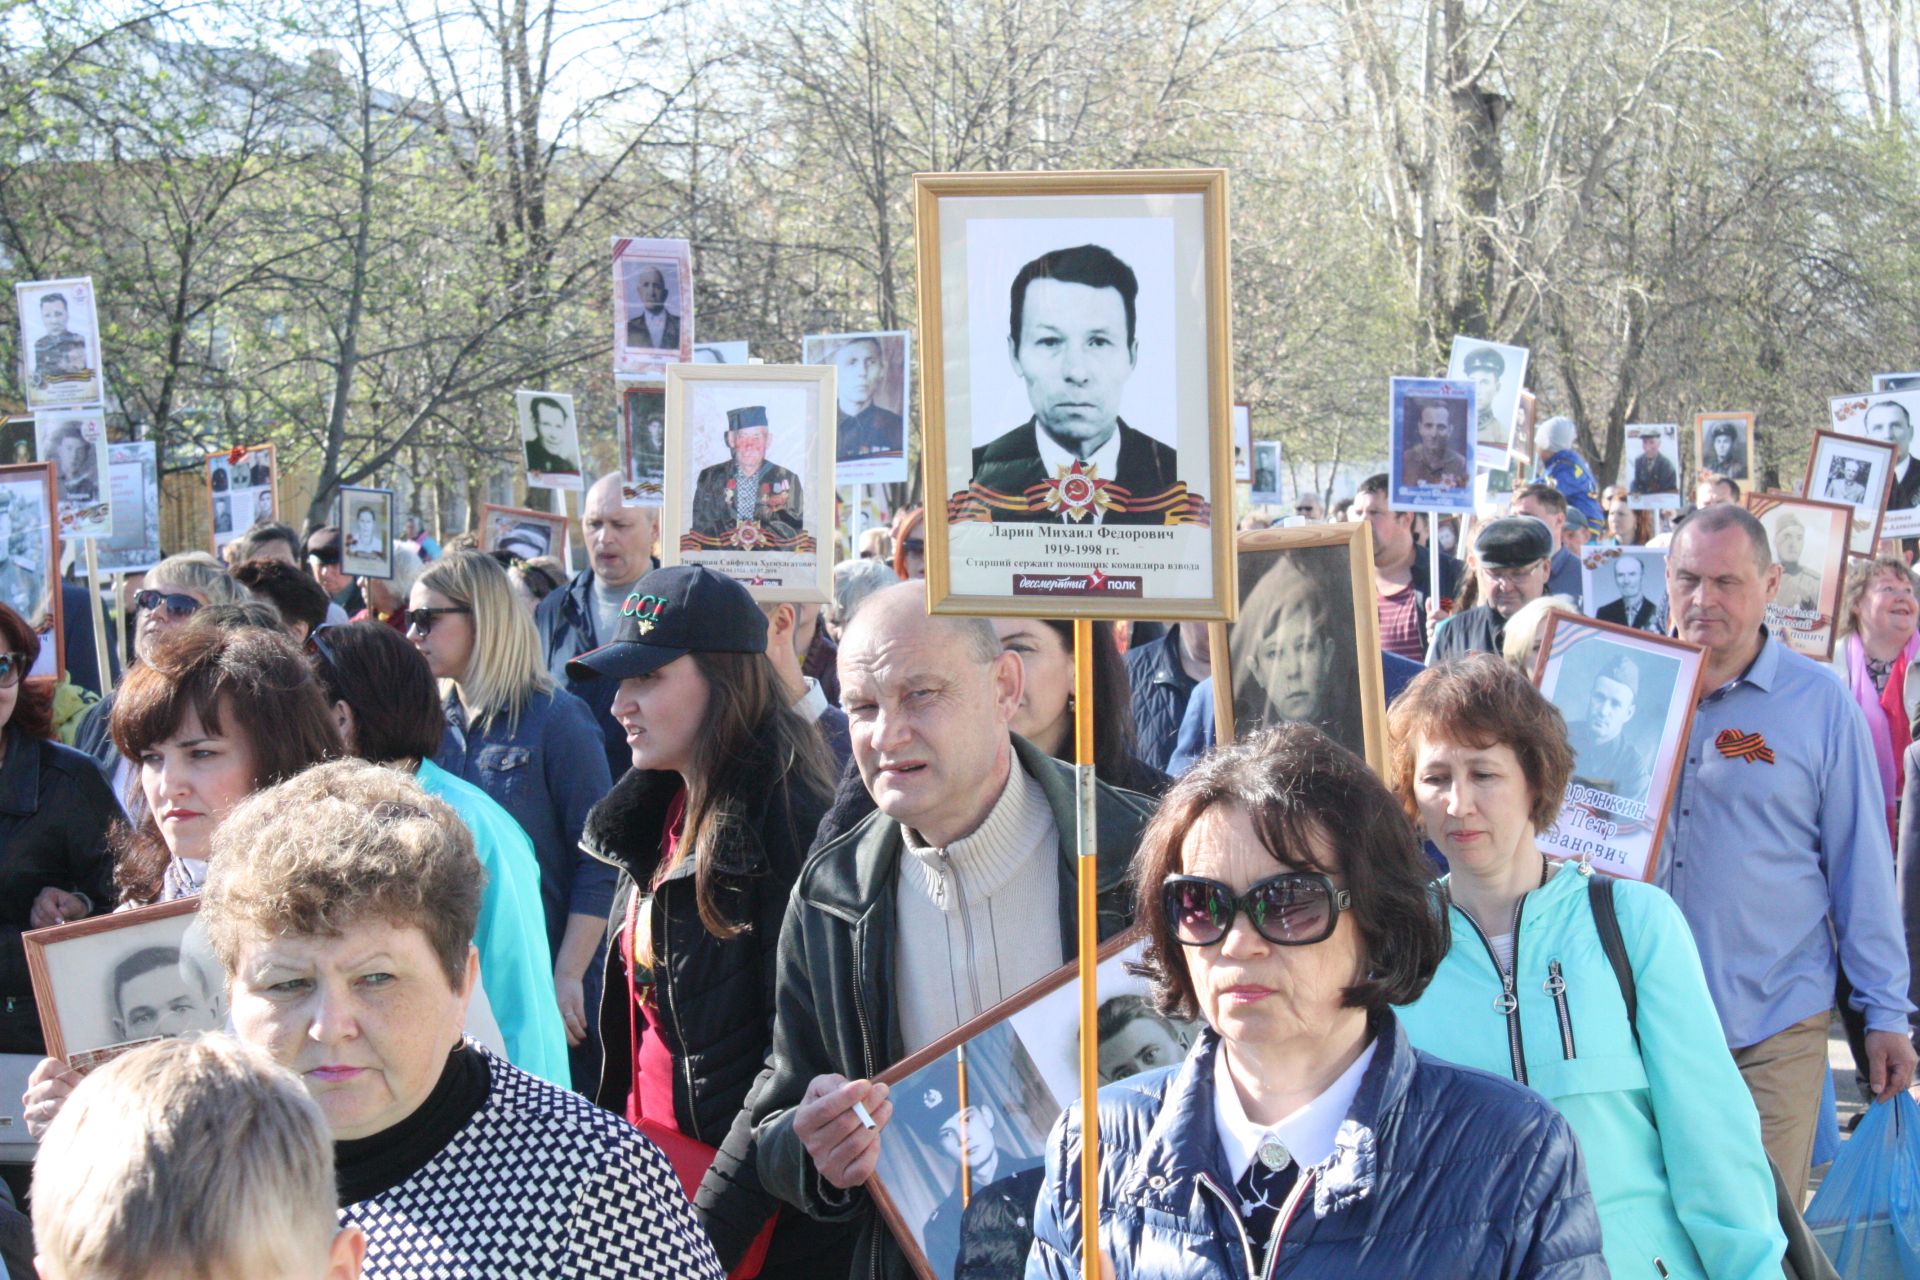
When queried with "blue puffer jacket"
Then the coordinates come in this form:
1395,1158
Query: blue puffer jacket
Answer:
1438,1172
1160,689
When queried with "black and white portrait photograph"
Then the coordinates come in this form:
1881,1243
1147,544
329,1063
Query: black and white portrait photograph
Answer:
1133,1036
59,343
30,555
1809,542
366,527
872,378
75,442
1080,412
110,982
1724,444
1896,382
551,439
1306,646
749,475
643,443
1889,418
133,475
17,441
652,305
1650,467
1856,471
720,353
1626,586
1266,474
522,533
1242,444
241,490
1498,374
1430,464
1627,696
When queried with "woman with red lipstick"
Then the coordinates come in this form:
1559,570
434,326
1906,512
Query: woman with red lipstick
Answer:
1528,989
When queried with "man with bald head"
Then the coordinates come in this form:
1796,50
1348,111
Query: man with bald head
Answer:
580,616
969,854
653,327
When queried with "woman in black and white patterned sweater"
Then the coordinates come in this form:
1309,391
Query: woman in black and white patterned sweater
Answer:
342,903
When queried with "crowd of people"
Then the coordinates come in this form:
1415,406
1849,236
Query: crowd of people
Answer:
567,921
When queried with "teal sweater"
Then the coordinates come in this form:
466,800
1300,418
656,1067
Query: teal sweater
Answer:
1670,1134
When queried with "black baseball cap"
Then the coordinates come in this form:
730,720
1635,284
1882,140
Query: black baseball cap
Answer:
682,609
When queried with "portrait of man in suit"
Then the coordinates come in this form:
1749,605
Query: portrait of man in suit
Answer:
1071,341
1889,421
1632,609
747,501
653,327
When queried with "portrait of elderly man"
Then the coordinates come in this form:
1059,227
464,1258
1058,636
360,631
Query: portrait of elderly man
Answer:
1890,422
1799,582
548,451
1726,452
1071,340
1653,471
866,429
59,353
748,500
653,327
157,991
1605,757
1431,458
1632,609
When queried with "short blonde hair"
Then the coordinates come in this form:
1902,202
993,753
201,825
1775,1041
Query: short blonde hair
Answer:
1525,624
1861,571
197,1157
197,571
507,666
339,845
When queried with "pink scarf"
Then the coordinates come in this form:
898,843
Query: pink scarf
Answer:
1883,722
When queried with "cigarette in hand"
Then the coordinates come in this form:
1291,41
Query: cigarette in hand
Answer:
860,1114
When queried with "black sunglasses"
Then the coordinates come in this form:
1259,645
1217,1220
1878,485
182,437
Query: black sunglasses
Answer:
178,603
12,667
1293,909
422,620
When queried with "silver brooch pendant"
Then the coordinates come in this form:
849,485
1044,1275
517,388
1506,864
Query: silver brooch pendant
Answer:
1274,1154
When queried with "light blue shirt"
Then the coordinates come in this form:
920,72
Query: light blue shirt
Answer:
1760,855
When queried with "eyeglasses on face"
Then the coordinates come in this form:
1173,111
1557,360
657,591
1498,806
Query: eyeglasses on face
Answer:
1293,909
1507,577
422,620
13,666
179,604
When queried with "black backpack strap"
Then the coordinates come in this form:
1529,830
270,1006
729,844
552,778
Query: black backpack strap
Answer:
1607,921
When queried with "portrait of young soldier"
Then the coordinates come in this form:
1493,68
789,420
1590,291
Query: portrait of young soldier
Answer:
1726,452
1071,341
1799,580
59,353
159,992
1431,457
748,500
1486,367
548,451
866,429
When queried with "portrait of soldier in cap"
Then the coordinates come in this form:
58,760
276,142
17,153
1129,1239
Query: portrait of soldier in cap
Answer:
1799,580
1725,449
747,501
1653,472
1605,757
1486,367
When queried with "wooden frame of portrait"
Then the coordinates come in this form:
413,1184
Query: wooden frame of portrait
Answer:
1563,632
360,565
637,490
39,943
770,573
1869,513
889,1201
1355,540
54,625
1076,568
1811,633
1700,421
556,523
237,526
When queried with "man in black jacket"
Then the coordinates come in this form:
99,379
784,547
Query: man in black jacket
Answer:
1513,553
970,816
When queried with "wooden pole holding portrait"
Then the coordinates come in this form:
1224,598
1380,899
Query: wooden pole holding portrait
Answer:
1094,476
100,654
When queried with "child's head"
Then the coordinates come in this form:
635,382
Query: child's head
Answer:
190,1159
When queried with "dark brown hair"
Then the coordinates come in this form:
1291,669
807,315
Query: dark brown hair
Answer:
1479,701
1308,798
33,709
372,668
1114,733
293,592
248,681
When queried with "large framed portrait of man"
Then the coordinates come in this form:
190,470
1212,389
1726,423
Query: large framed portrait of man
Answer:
652,305
1430,452
749,476
111,983
133,472
549,439
523,533
242,485
30,558
1856,471
872,382
1723,442
1306,644
1498,374
366,524
1896,381
1076,393
1809,542
59,343
1888,417
643,443
1627,697
75,442
1626,586
1650,469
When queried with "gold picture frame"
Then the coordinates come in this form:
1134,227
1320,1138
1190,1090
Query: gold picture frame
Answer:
1168,230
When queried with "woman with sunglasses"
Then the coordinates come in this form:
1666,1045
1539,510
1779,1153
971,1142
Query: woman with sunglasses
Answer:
1285,902
516,735
1671,1136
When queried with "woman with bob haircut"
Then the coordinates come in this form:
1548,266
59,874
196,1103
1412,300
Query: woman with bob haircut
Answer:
387,708
516,735
1671,1135
1285,902
342,905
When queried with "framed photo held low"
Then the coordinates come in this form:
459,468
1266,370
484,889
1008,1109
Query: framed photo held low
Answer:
965,1153
75,442
1723,445
242,485
523,533
1857,473
1265,488
1306,644
366,523
30,558
1809,541
1076,393
1628,699
113,982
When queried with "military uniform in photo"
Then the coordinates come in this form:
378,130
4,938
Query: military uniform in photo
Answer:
1799,589
762,512
1445,467
874,432
1616,767
1655,474
540,462
1131,479
60,357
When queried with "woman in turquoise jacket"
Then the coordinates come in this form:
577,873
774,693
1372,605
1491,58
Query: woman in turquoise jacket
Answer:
1671,1136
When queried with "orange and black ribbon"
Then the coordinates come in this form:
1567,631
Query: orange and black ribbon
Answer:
1735,745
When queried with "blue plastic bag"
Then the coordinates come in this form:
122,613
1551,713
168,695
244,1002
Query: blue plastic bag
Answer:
1867,1213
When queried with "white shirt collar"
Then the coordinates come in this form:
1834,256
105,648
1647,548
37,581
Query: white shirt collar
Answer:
1307,1134
812,704
1105,459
